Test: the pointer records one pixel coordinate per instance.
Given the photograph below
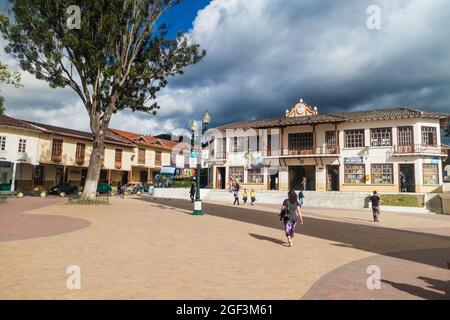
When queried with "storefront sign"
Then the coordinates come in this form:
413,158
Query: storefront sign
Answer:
435,160
354,160
167,170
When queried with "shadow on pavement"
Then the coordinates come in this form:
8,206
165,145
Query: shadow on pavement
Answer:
371,238
440,289
266,238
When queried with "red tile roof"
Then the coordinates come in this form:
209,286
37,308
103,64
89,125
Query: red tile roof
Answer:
146,140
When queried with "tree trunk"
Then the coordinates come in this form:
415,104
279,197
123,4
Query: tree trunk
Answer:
95,165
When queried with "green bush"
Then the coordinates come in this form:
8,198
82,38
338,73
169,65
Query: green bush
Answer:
181,183
402,200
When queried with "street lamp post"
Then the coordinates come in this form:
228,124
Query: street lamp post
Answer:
199,131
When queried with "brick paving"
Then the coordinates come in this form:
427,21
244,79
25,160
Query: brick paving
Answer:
136,249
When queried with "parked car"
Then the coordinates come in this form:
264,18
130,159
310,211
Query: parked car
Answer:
67,188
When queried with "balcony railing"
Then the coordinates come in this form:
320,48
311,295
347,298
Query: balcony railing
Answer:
219,155
22,156
79,161
118,164
141,161
56,158
302,152
418,148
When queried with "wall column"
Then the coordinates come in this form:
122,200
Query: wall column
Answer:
13,177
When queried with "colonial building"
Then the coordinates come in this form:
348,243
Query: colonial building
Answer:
36,156
389,150
150,155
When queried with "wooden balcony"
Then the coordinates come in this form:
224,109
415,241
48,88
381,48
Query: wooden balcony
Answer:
56,158
313,152
418,149
79,161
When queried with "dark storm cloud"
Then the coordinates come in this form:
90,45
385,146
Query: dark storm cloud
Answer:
263,55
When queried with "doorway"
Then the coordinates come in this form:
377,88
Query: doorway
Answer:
59,176
220,178
296,174
273,183
124,177
83,177
332,178
406,177
143,176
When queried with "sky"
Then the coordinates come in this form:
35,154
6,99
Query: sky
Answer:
264,55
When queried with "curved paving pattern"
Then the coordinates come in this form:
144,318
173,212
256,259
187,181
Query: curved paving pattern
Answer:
15,225
400,278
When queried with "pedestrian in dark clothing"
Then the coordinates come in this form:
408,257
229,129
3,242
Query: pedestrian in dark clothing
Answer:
301,198
192,192
376,200
236,188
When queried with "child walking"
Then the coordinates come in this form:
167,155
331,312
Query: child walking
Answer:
244,196
252,196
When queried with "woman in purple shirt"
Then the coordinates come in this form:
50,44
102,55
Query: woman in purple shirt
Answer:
291,214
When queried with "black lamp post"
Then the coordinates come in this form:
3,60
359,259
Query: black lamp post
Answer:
199,132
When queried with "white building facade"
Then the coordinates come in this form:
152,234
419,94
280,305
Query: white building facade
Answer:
388,150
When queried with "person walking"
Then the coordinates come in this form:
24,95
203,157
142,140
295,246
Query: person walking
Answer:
244,196
376,200
120,190
236,193
291,214
301,198
192,192
304,184
252,196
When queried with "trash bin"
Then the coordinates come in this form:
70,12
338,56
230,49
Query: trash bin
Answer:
445,197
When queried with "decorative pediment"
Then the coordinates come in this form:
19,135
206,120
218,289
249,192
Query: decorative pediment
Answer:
301,109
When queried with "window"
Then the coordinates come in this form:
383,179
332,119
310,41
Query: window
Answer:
430,173
255,175
141,156
2,143
158,158
57,150
300,141
79,153
381,137
254,143
429,136
330,139
354,173
237,144
382,173
237,174
118,158
405,136
354,138
22,146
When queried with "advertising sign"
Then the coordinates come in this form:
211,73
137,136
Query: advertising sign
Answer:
354,160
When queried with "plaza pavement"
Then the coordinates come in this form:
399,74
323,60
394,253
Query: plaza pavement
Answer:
139,248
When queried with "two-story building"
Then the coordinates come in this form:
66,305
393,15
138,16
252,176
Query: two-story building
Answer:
37,156
150,154
389,150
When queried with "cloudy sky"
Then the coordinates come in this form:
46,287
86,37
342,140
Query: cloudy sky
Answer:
263,55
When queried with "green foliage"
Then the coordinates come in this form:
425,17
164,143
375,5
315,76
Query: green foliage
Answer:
7,77
181,183
83,201
118,56
402,200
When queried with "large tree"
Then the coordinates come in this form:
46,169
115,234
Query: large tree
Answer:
7,77
115,54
